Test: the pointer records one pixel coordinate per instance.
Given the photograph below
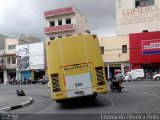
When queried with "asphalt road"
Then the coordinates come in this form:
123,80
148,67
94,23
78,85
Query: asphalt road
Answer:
137,97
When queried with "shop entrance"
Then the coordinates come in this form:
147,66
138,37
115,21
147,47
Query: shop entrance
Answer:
1,77
151,69
112,68
38,74
106,72
12,74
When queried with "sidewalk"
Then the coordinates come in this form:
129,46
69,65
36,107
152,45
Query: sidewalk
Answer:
12,101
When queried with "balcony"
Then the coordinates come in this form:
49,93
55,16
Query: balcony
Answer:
60,28
61,11
10,66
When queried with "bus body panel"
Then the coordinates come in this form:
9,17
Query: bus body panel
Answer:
75,67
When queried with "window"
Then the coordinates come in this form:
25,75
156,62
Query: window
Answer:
52,23
11,47
59,36
68,35
60,22
124,48
102,50
13,60
8,60
52,38
145,30
142,3
68,20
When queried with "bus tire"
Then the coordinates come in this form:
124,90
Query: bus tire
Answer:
58,101
94,97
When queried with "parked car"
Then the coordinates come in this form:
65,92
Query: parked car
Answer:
134,75
156,77
44,80
137,74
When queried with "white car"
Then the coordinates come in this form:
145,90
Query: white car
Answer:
156,77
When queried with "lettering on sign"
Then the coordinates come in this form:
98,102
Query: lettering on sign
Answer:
140,15
76,67
150,46
78,84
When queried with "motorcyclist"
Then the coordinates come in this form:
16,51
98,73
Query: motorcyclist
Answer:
118,79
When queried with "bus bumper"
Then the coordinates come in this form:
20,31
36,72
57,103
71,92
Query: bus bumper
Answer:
63,95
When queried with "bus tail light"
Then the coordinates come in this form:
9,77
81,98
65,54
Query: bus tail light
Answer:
101,83
100,75
55,82
56,89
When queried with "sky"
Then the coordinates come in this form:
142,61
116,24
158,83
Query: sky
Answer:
27,16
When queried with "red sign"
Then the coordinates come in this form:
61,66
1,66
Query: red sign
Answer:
144,47
150,47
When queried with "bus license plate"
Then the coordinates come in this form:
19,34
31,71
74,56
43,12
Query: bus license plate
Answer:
79,92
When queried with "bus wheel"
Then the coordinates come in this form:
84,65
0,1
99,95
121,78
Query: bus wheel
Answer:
58,101
94,97
91,98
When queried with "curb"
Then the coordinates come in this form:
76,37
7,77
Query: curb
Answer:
17,106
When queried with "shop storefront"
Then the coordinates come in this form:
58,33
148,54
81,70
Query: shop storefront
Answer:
26,74
11,73
110,68
145,52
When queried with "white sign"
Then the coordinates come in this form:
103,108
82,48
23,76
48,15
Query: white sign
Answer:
79,85
31,56
36,56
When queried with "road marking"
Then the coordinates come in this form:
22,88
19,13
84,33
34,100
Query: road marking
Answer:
145,92
112,103
154,94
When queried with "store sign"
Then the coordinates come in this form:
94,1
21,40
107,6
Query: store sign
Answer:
150,47
36,56
140,15
30,56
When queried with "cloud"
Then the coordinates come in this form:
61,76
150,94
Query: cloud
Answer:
26,16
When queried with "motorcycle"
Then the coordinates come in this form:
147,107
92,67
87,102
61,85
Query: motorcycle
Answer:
116,85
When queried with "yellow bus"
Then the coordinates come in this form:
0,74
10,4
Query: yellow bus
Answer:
75,67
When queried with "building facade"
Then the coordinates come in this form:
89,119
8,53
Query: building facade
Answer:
64,22
140,19
136,16
31,62
145,51
115,51
2,52
8,56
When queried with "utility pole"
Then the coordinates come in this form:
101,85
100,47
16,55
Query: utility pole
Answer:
18,67
20,92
